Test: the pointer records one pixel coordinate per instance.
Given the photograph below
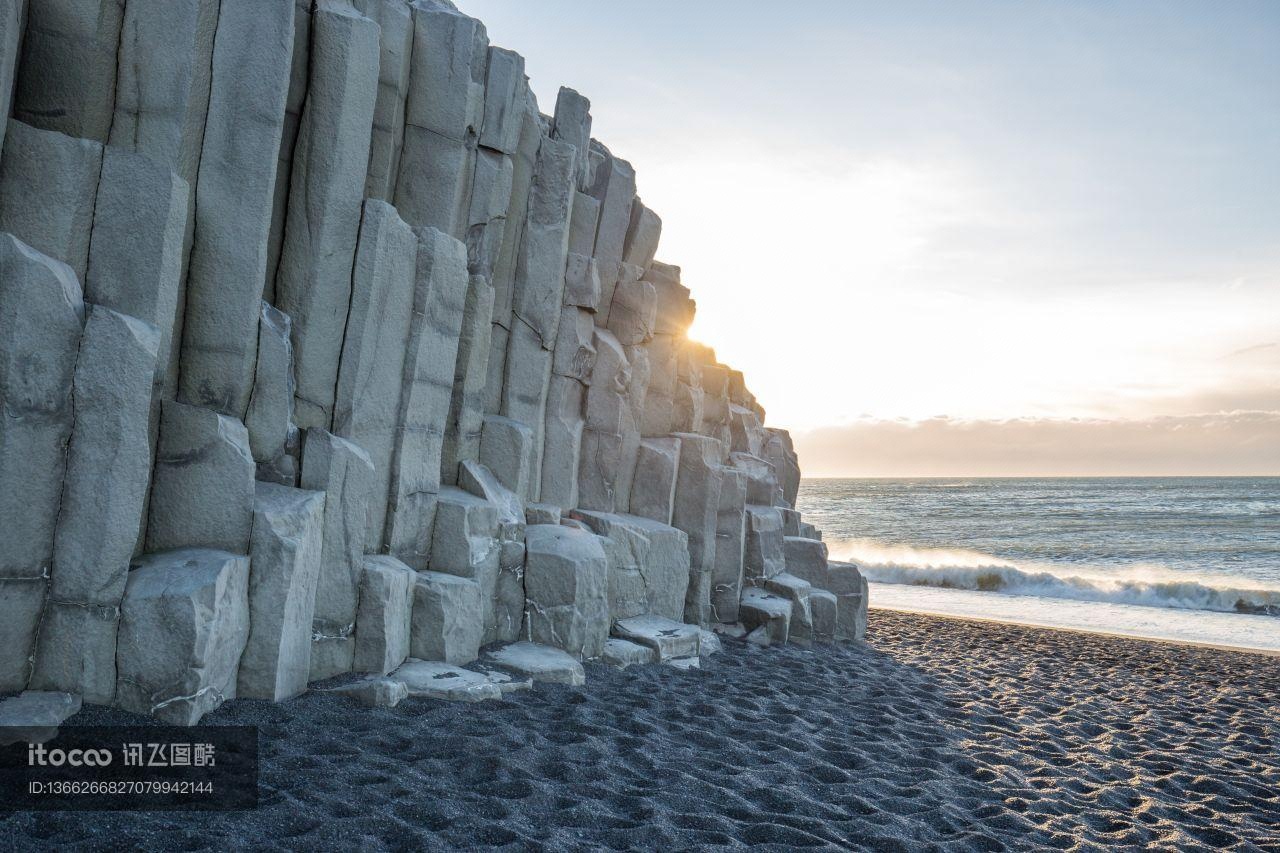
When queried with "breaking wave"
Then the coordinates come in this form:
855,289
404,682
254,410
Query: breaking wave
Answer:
971,570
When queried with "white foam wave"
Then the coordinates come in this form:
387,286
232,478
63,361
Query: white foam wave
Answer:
971,570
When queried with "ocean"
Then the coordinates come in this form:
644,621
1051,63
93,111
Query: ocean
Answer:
1180,558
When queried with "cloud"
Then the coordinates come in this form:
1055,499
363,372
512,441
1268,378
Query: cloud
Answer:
1242,443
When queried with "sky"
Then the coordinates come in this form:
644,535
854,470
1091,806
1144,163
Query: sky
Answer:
959,238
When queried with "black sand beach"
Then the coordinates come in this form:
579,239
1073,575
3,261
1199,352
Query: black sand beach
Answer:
939,733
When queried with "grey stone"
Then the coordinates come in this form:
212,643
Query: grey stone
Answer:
572,124
162,75
542,513
746,431
68,73
761,610
762,485
566,590
448,620
202,488
606,469
727,568
763,554
269,418
76,650
345,474
808,531
380,692
524,390
643,234
807,558
582,282
538,662
633,311
443,113
648,564
824,608
430,358
12,22
540,266
523,163
506,448
48,188
696,505
467,403
675,308
284,568
615,186
136,254
781,452
184,622
790,521
582,229
796,590
562,442
685,663
503,98
710,643
250,79
437,680
850,588
670,639
502,593
395,24
383,618
653,489
608,409
371,373
759,636
34,716
624,653
326,188
575,353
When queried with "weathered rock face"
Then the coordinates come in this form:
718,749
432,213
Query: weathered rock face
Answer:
321,347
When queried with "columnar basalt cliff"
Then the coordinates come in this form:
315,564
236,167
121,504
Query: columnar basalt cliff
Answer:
324,350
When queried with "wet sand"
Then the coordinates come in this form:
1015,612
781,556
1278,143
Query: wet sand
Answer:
938,733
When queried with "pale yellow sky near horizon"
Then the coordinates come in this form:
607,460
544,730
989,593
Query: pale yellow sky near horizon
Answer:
959,238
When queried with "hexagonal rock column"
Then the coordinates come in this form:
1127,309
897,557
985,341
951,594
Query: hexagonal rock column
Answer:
726,573
648,564
448,618
202,490
807,559
653,489
466,544
795,590
108,467
825,607
284,569
344,473
566,590
384,616
184,622
763,553
760,609
41,310
696,505
850,587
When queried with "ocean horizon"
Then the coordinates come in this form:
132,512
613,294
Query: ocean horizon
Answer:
1192,559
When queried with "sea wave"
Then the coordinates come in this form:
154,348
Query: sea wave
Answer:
971,570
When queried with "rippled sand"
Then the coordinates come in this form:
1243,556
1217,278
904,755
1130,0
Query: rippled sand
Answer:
939,732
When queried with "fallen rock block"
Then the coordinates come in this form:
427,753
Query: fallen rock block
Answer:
709,644
34,716
624,653
759,610
436,680
383,618
824,607
566,589
381,692
542,513
807,559
448,618
759,637
668,638
184,622
539,662
797,591
685,663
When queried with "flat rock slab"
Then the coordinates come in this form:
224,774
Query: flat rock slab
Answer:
34,716
623,653
539,662
685,663
670,639
438,680
761,610
381,692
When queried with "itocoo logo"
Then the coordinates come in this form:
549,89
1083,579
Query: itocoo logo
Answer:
37,755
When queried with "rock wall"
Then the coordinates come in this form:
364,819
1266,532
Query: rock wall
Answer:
323,347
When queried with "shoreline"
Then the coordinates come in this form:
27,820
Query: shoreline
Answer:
1223,647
